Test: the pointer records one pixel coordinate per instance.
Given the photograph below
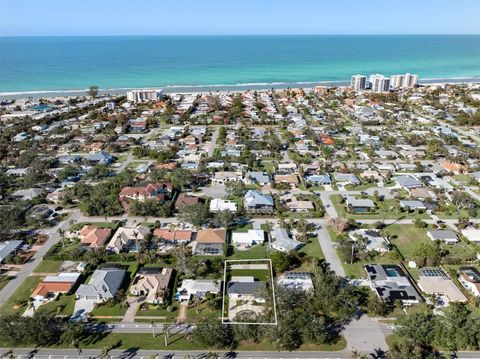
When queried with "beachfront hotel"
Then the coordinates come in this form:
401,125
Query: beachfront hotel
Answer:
359,82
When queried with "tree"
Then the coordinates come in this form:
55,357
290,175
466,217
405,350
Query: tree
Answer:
339,225
196,214
417,327
376,306
235,188
93,91
280,261
211,333
223,219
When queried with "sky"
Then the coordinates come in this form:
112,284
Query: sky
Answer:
228,17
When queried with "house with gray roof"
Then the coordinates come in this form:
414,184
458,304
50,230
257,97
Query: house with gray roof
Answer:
258,202
408,182
348,178
444,235
103,285
319,179
359,205
281,241
391,284
9,247
259,178
413,205
101,157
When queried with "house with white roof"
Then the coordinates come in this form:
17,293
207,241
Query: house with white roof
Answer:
244,240
219,205
197,288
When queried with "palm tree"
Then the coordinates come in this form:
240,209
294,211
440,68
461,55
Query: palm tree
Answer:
212,355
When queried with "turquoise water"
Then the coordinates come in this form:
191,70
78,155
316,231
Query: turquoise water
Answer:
70,63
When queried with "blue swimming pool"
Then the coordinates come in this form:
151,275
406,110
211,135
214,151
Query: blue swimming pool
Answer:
391,272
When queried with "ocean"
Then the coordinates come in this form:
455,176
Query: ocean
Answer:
40,64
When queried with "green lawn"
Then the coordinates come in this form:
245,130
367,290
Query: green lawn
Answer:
256,252
78,226
64,305
407,238
105,310
203,310
48,267
384,210
242,229
312,249
23,293
158,311
4,281
258,274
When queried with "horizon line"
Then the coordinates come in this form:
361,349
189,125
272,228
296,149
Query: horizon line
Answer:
260,34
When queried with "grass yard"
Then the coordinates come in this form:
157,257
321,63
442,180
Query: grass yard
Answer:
256,252
78,226
64,305
203,310
107,311
22,294
4,281
407,238
258,274
312,248
242,229
159,311
48,267
384,210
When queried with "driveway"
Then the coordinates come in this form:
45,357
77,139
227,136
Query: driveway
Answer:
133,304
215,191
83,307
365,335
330,252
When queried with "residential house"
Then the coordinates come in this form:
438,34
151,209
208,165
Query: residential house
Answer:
391,284
408,182
186,200
290,179
27,194
443,235
372,239
127,239
296,280
258,178
53,285
93,236
173,236
281,241
210,241
100,157
244,240
434,281
219,205
153,283
103,285
198,288
158,191
246,289
470,279
222,177
355,205
319,180
9,248
472,234
347,178
257,202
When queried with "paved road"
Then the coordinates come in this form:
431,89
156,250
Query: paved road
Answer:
213,142
181,354
28,268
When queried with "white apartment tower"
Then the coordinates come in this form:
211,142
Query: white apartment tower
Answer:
379,83
143,95
404,81
359,82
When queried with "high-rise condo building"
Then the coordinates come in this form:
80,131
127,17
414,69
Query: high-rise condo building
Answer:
143,95
404,81
359,82
379,83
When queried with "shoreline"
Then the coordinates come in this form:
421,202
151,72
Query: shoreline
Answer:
11,95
